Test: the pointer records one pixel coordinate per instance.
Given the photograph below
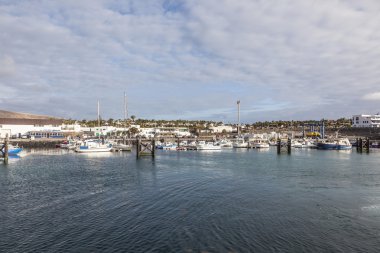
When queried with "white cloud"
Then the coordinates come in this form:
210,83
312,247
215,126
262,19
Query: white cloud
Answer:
310,58
372,96
7,65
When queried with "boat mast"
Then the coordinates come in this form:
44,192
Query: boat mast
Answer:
238,128
98,114
125,110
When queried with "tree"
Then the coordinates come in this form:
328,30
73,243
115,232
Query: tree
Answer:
133,131
133,118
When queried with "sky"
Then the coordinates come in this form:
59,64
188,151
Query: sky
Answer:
284,59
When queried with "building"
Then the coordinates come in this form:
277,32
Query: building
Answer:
221,129
364,120
21,124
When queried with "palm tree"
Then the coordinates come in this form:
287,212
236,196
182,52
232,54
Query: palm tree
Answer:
133,118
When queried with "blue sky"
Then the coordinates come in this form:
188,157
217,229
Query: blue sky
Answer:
289,59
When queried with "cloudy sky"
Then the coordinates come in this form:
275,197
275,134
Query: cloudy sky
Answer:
284,59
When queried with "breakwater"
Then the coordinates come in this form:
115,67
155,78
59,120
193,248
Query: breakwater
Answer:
46,143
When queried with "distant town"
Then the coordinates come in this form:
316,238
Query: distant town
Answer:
29,126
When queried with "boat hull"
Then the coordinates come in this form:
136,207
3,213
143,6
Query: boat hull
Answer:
332,146
14,151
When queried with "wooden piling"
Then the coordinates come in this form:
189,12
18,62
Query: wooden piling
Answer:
145,148
278,146
357,144
289,146
153,147
138,148
6,143
367,145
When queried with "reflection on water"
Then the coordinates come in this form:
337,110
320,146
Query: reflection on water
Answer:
234,200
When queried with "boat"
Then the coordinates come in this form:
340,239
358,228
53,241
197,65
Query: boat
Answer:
309,144
259,143
225,143
90,146
334,144
169,146
375,144
68,145
296,144
343,144
240,143
121,147
202,145
273,142
12,149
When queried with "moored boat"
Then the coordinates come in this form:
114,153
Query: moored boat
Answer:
202,145
225,144
240,143
335,144
12,149
259,143
90,146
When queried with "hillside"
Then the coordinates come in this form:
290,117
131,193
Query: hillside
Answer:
18,115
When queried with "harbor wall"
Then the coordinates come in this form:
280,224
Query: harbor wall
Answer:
36,143
370,132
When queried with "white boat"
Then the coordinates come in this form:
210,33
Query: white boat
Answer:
90,146
169,146
273,143
68,145
309,144
225,144
202,145
240,143
296,144
259,143
121,147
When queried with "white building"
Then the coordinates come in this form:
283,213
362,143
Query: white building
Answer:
220,129
15,125
99,131
364,120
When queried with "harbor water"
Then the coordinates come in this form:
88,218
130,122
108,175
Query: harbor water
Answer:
221,201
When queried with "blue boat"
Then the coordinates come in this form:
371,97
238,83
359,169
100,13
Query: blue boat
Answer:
338,144
12,150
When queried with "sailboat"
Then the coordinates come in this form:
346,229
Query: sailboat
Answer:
239,142
94,145
122,146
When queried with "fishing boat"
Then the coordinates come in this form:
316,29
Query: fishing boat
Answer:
343,144
90,146
202,145
334,144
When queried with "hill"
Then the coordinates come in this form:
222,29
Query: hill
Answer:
18,115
